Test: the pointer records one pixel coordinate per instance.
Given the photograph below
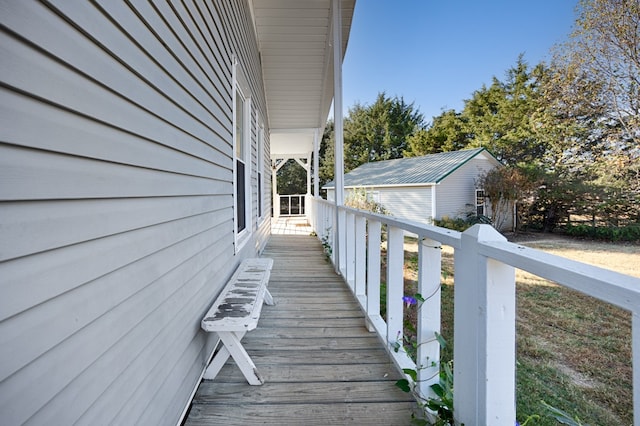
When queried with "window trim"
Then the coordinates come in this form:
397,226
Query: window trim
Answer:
373,196
240,87
482,205
260,215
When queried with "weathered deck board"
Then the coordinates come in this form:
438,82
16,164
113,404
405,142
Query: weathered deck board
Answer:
303,414
321,366
316,373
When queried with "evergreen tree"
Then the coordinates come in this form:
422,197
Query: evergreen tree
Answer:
375,132
501,117
448,132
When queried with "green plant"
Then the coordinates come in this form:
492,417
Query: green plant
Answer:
438,410
461,224
457,224
326,244
383,299
562,416
611,233
358,198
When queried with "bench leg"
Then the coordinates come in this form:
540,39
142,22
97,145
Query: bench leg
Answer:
219,359
233,347
268,298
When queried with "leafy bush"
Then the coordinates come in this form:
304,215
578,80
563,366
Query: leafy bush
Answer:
609,233
457,224
460,224
358,198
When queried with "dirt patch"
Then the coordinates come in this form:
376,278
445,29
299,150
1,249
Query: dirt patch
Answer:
576,377
621,257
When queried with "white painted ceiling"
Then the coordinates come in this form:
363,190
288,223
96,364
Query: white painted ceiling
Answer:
295,41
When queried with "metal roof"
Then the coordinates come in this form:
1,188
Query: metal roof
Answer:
429,169
295,42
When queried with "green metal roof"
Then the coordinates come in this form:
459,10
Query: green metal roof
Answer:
429,169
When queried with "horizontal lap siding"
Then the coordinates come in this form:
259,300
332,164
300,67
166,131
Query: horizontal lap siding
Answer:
413,203
116,203
455,196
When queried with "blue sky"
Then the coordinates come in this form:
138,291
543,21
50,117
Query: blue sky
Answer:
436,53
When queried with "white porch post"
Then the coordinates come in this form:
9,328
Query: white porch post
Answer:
484,334
274,184
316,163
339,134
308,173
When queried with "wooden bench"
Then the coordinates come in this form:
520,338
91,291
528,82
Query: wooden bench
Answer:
237,311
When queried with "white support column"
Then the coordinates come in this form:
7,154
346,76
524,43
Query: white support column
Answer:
484,334
276,196
338,123
428,357
274,185
309,173
395,284
316,163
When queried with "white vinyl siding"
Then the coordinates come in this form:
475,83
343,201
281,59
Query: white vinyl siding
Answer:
413,203
455,196
116,202
409,202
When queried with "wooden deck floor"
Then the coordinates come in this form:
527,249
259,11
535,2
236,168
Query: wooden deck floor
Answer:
321,366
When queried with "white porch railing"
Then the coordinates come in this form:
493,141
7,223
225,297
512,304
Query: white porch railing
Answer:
484,300
293,204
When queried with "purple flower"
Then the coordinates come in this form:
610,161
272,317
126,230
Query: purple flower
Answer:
408,300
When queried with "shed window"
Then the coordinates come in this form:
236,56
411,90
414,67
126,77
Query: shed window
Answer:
480,200
373,196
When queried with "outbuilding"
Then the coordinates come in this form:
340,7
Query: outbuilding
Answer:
428,187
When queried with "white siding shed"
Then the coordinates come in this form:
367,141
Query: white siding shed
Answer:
424,188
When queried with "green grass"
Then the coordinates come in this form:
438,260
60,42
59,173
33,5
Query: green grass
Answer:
573,351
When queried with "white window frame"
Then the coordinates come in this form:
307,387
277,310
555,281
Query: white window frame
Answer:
483,204
240,87
260,173
373,196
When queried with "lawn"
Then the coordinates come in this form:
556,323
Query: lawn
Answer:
573,351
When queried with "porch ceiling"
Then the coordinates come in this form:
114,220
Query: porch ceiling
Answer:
295,41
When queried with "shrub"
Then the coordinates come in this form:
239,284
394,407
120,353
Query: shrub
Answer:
460,224
608,233
358,198
457,224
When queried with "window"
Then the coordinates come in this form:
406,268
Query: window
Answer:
480,198
241,217
373,196
241,158
260,170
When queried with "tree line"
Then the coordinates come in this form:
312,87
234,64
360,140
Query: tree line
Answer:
568,132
